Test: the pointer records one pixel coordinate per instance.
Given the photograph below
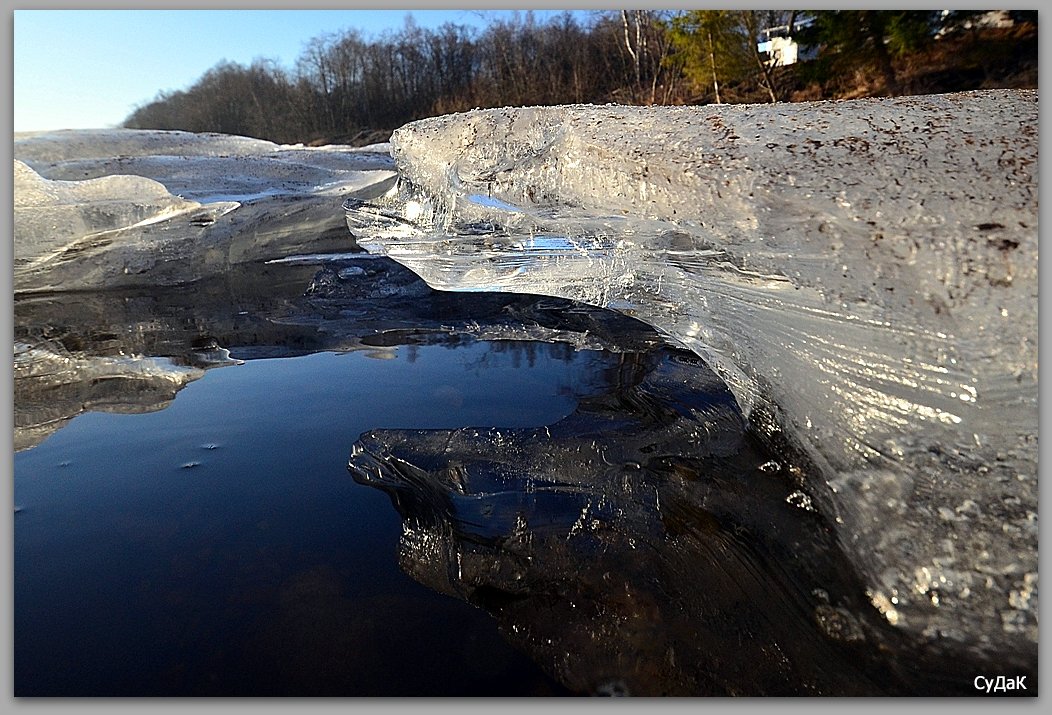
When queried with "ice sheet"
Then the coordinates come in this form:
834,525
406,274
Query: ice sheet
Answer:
110,208
862,275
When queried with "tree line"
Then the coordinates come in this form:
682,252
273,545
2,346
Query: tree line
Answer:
345,84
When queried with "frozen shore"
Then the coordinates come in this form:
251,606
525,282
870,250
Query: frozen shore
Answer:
862,275
121,207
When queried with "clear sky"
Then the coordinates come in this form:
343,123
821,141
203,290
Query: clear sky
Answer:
86,69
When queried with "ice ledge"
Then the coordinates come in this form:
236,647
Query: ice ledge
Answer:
862,274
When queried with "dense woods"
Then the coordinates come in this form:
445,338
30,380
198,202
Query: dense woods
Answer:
349,88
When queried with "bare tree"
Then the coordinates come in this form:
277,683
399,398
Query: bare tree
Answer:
646,42
752,22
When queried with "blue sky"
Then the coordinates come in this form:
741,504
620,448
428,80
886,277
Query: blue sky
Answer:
83,69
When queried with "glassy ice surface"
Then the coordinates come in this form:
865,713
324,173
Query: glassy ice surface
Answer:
542,499
861,275
120,207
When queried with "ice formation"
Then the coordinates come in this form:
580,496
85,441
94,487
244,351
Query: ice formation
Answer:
647,538
862,275
113,208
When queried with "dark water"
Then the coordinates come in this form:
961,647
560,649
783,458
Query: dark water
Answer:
219,545
400,492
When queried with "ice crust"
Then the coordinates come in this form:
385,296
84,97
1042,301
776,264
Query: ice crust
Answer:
861,274
112,208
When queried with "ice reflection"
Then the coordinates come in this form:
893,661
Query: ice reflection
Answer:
645,544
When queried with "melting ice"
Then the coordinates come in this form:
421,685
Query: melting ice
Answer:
862,275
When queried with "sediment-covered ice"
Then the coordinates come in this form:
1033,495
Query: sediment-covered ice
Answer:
861,274
109,208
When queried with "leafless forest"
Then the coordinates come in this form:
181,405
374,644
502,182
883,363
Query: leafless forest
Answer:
349,88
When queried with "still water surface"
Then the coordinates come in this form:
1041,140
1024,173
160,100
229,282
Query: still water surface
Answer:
405,492
220,545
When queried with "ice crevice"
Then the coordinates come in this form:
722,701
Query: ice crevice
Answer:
861,274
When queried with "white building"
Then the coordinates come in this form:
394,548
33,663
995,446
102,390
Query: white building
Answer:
781,49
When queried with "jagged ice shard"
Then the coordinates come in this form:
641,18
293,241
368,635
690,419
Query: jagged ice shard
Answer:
861,274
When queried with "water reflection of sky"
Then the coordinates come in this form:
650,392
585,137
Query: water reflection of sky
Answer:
154,551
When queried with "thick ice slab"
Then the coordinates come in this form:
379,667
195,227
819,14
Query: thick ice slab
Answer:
107,208
862,275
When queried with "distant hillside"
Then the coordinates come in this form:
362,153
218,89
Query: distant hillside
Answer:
348,89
